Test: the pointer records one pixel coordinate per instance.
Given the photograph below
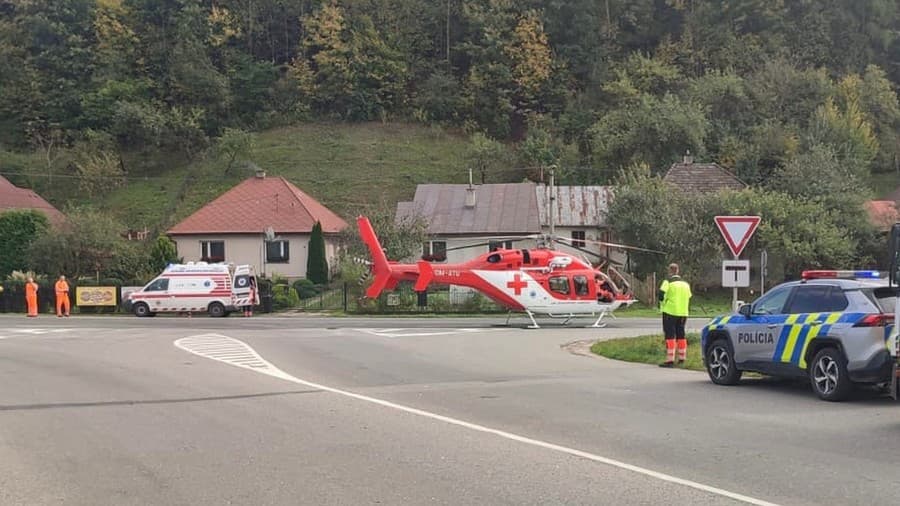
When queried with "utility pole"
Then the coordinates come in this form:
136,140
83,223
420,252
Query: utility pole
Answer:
552,207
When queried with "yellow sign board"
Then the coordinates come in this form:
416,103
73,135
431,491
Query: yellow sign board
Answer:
95,295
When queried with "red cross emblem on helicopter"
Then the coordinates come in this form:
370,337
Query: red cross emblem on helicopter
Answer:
517,284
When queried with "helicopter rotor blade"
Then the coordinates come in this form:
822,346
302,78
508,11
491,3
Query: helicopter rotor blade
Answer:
516,238
613,245
589,252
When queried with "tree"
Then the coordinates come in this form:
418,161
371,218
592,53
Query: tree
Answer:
162,253
651,130
89,244
234,144
484,154
18,230
316,263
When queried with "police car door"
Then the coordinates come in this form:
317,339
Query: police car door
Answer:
755,339
808,309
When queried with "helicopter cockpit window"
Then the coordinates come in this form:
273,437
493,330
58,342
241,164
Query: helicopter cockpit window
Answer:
559,284
494,258
581,285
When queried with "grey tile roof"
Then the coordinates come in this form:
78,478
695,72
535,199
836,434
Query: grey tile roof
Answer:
499,209
702,178
576,206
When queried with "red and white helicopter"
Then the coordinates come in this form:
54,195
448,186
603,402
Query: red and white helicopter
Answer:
534,281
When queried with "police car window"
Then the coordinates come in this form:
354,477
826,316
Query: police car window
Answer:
160,285
817,298
772,302
560,284
581,285
884,298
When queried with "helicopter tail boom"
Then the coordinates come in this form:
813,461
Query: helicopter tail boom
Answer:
380,268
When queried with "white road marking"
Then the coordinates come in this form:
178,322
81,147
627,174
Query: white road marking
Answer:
393,333
217,346
38,331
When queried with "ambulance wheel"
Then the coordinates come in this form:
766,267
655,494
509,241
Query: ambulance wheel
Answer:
216,310
720,363
828,375
141,309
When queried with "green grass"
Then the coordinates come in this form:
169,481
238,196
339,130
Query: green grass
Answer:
648,350
347,167
702,305
884,183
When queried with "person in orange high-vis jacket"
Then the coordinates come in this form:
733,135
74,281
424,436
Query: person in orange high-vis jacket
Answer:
31,290
62,297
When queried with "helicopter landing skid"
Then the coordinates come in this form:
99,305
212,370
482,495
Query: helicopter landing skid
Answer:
534,324
597,324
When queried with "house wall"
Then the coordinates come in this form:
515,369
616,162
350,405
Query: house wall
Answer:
250,249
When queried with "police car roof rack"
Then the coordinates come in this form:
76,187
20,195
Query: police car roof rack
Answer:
833,274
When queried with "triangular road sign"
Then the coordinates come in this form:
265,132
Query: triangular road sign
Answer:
737,230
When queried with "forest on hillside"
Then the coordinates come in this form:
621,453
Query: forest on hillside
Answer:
592,85
797,97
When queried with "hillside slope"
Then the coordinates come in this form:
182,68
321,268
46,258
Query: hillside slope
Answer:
345,166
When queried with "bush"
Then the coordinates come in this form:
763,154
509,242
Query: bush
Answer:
284,297
306,289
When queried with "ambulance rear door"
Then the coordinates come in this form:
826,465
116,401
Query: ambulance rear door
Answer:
244,280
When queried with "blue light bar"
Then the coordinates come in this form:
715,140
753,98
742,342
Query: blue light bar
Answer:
841,274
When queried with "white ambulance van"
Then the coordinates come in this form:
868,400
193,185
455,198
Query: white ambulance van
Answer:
217,289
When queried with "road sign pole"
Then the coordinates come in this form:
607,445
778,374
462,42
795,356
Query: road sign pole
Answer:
734,294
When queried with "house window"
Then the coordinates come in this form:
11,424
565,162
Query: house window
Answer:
434,251
212,251
578,238
278,252
495,245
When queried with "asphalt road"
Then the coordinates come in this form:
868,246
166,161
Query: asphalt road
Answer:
408,411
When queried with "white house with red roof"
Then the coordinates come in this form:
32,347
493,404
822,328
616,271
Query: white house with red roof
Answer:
233,228
13,198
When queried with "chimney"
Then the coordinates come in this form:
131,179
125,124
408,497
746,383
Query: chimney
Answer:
470,193
260,173
688,159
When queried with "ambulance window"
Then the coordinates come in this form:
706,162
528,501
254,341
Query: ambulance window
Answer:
160,285
581,285
559,284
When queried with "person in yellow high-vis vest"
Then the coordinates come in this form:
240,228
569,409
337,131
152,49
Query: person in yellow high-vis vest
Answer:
675,300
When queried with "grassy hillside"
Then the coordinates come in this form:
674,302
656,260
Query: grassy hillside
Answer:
344,166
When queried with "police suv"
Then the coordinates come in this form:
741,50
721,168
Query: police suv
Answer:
832,327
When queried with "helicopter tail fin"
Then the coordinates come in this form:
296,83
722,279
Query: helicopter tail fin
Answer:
426,274
380,268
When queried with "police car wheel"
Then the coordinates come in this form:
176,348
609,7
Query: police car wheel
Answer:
140,309
828,375
720,364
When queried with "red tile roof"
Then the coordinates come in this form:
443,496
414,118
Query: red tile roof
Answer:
14,198
882,214
259,203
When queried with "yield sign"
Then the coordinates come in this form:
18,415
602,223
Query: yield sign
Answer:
737,230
